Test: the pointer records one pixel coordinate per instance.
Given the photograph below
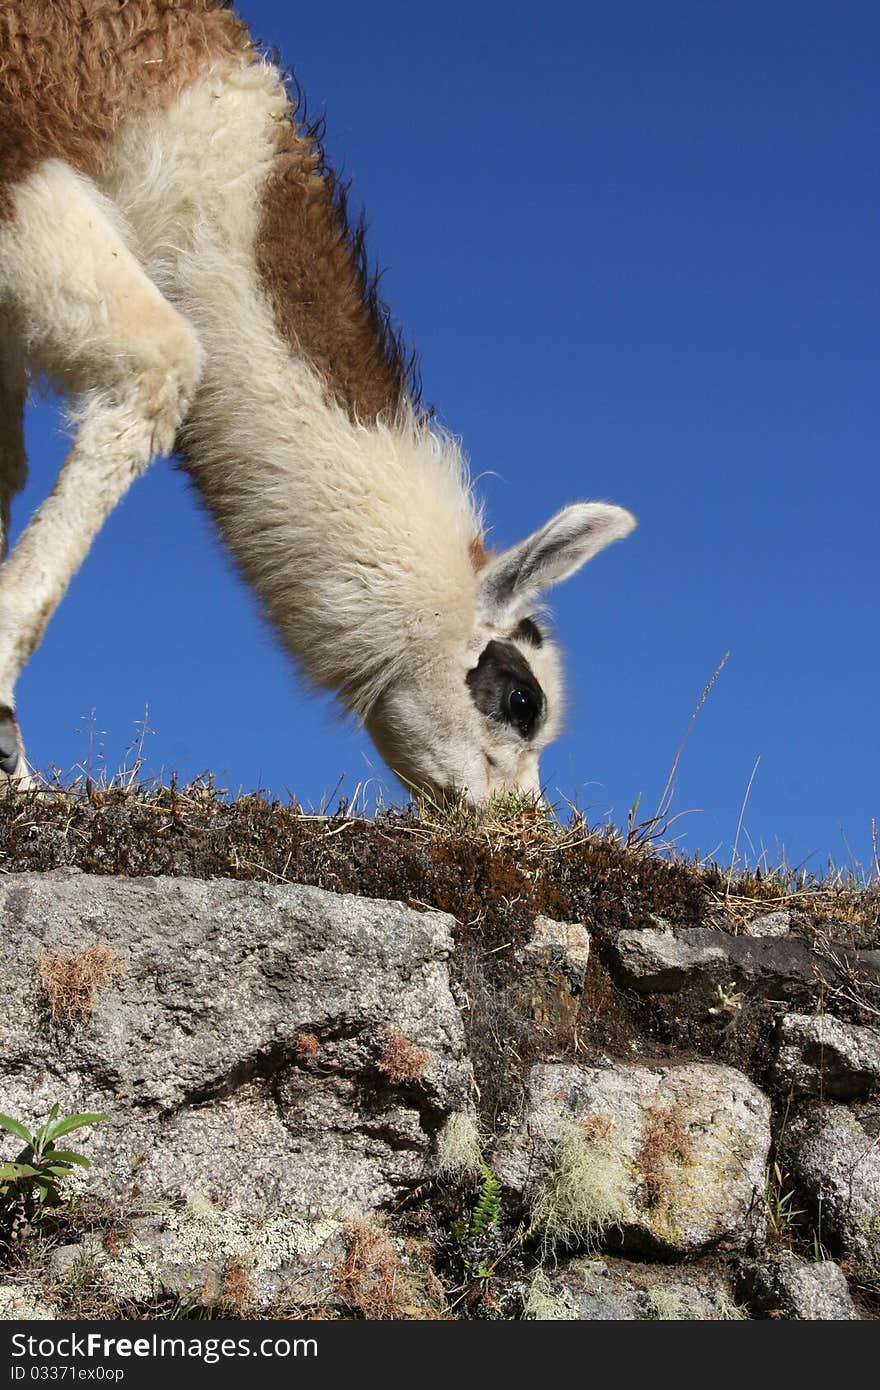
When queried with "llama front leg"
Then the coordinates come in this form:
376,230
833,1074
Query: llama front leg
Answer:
113,443
91,317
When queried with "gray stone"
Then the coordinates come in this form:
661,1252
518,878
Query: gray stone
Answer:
820,1055
569,940
196,1252
666,1157
621,1291
551,971
62,1262
661,961
265,1046
834,1155
24,1302
770,924
781,1285
655,962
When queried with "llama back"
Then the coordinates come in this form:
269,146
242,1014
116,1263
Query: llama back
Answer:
76,78
72,71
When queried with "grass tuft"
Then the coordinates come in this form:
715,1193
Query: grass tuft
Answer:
375,1280
585,1195
459,1153
71,981
400,1060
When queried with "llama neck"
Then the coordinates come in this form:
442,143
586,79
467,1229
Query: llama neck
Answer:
356,538
355,535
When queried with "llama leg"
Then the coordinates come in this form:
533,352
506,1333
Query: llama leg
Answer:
91,318
13,463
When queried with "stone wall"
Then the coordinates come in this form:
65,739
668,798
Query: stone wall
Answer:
305,1090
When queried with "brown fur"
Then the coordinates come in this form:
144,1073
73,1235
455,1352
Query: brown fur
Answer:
326,303
72,70
478,553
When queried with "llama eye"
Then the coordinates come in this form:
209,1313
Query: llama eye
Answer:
504,688
522,708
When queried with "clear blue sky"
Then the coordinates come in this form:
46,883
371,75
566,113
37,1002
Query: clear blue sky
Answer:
636,246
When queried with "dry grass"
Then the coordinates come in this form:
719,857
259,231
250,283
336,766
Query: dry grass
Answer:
71,981
468,862
377,1283
237,1295
400,1060
664,1148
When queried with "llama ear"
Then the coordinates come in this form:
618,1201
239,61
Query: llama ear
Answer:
568,540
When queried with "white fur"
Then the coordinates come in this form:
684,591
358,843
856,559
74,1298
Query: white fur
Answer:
355,537
81,310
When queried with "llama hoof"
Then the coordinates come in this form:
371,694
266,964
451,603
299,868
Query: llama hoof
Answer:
12,762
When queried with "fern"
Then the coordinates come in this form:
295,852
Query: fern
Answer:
487,1211
478,1238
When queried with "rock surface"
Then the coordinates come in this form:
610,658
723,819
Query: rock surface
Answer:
770,924
834,1154
199,1253
784,1286
258,1045
654,961
592,1290
822,1056
552,968
670,1157
343,1106
21,1302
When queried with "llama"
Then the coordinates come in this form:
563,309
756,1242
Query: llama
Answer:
175,256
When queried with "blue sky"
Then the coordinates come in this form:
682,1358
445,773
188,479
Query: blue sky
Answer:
636,246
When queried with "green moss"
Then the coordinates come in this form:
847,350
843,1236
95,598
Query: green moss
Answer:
666,1304
586,1194
459,1155
543,1304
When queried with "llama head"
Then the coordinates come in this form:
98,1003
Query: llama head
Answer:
473,718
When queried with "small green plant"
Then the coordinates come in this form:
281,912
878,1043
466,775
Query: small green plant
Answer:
779,1197
477,1236
32,1182
487,1212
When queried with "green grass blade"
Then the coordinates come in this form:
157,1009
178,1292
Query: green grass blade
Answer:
73,1122
7,1122
67,1156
